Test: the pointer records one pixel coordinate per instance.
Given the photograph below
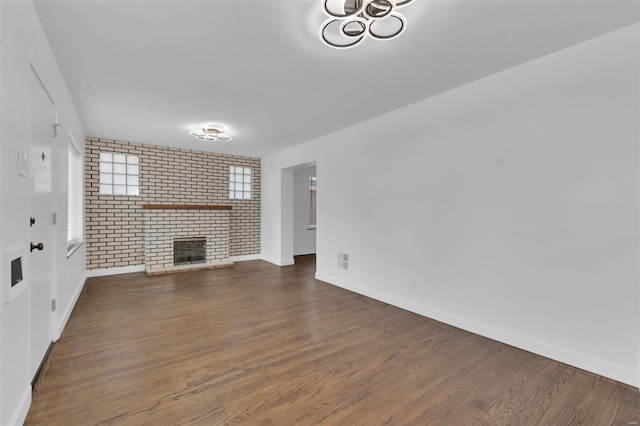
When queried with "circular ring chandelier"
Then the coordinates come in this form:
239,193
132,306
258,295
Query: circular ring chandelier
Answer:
359,19
211,134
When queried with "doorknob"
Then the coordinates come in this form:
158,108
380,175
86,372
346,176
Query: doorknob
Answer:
38,246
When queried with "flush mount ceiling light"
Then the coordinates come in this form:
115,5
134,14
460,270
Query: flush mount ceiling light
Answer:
211,134
351,21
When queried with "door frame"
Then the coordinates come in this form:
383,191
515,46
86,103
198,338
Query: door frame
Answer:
51,216
286,212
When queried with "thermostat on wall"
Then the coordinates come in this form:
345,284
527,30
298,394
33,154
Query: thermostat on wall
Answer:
16,271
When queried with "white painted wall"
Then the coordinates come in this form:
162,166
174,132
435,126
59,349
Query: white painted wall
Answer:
2,268
511,203
304,239
23,42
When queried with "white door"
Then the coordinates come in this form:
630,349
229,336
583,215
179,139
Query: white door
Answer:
41,137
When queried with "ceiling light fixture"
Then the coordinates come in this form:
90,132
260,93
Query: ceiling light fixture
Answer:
358,19
211,134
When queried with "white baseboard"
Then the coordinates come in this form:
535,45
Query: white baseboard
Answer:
279,262
67,313
20,415
304,252
603,368
114,271
245,257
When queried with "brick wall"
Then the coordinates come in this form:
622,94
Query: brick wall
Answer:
115,223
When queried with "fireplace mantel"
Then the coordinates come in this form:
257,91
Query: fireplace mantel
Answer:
184,207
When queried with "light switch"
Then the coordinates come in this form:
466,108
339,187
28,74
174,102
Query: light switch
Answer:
22,163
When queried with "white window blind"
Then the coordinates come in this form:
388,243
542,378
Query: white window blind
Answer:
75,222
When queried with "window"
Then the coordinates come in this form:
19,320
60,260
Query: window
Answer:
119,174
240,183
75,218
312,202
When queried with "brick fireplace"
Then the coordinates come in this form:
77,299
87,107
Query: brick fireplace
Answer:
163,225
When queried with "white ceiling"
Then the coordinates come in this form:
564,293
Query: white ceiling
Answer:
149,71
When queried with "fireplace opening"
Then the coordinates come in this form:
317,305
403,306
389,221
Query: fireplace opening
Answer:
192,250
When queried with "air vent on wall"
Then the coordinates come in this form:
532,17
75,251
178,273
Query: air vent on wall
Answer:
343,261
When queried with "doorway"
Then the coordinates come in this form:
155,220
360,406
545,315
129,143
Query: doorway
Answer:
304,211
42,129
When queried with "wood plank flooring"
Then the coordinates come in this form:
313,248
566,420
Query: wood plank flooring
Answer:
258,344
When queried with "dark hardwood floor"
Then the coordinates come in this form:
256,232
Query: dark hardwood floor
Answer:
258,344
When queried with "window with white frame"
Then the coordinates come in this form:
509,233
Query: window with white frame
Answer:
240,183
119,174
312,202
75,217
